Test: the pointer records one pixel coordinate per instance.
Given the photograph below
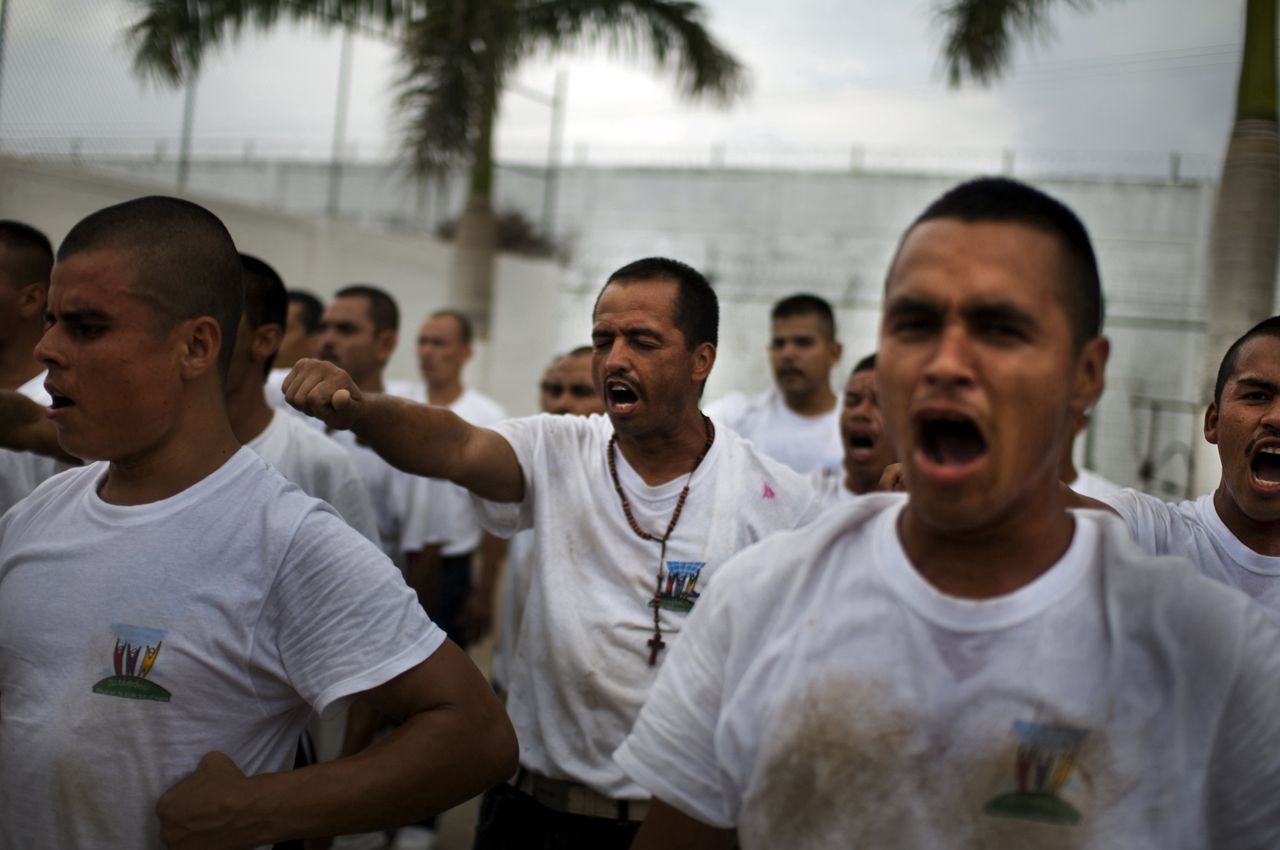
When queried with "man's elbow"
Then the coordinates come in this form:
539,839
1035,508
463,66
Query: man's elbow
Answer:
500,753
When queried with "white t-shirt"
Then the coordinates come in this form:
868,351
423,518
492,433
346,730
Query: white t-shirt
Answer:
1094,486
134,640
826,695
804,443
1194,530
441,507
318,465
512,591
829,485
22,472
581,664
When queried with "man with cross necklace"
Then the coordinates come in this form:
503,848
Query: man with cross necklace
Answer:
632,514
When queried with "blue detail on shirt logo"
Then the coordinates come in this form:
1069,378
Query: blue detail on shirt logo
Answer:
676,588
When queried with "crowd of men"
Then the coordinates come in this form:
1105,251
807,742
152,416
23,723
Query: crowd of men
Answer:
896,616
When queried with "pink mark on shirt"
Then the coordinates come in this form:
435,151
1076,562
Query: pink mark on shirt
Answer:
768,491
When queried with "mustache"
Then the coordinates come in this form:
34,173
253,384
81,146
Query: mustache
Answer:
1269,432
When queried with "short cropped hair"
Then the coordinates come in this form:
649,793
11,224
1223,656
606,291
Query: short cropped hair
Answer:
465,331
382,307
580,351
28,254
805,304
265,301
1267,327
312,308
866,364
185,262
697,308
1003,200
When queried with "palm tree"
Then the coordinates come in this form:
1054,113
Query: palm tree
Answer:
456,56
1246,221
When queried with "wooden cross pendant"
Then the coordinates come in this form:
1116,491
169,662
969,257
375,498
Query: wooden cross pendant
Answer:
656,644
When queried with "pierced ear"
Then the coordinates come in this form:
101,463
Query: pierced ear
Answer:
202,341
704,357
1211,424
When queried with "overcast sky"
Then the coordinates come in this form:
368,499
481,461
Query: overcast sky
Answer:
1127,81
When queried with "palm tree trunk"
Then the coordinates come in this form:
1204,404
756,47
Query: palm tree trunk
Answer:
476,243
1246,221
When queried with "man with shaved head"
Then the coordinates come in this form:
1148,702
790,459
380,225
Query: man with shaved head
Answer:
972,664
172,613
25,261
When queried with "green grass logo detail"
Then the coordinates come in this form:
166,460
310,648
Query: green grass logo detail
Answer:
1046,756
133,658
676,591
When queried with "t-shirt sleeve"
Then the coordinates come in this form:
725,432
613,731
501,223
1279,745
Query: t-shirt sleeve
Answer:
340,616
526,437
434,509
1243,807
351,499
1149,520
671,749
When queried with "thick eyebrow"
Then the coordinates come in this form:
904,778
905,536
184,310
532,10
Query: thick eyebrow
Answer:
999,311
1258,384
80,315
629,333
908,305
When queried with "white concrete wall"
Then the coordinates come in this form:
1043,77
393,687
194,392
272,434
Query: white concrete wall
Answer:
324,256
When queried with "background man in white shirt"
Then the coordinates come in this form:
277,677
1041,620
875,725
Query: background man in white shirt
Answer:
253,602
1233,533
25,260
797,422
972,665
867,449
566,386
633,514
301,338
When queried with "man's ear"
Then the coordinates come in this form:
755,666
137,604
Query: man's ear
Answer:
1090,375
265,342
385,344
202,340
31,300
1211,424
704,357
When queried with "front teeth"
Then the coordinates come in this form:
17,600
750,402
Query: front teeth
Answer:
1269,450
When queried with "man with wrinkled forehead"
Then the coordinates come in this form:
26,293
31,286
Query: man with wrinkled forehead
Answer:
972,664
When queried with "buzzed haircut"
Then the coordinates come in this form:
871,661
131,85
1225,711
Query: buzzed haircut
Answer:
464,324
265,300
866,364
580,351
1000,199
805,304
185,261
382,307
28,255
312,308
697,308
1267,327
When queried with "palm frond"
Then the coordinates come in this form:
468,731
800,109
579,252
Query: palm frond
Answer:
671,32
979,35
170,37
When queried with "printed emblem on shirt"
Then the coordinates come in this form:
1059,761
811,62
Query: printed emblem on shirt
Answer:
1043,776
133,658
676,589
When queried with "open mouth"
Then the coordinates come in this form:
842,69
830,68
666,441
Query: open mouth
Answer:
58,401
620,396
1266,465
951,440
860,445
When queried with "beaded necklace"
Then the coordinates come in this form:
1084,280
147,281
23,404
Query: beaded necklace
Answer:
656,644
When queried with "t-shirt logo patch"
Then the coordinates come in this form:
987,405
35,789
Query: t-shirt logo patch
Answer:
1042,775
133,657
676,589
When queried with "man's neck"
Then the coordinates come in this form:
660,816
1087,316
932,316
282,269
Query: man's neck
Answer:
1260,536
196,447
819,402
248,411
371,383
992,561
17,364
659,457
444,393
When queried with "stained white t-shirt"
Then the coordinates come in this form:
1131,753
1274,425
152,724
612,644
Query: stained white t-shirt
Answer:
318,465
22,472
134,640
580,669
512,591
804,443
441,507
1194,530
826,695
